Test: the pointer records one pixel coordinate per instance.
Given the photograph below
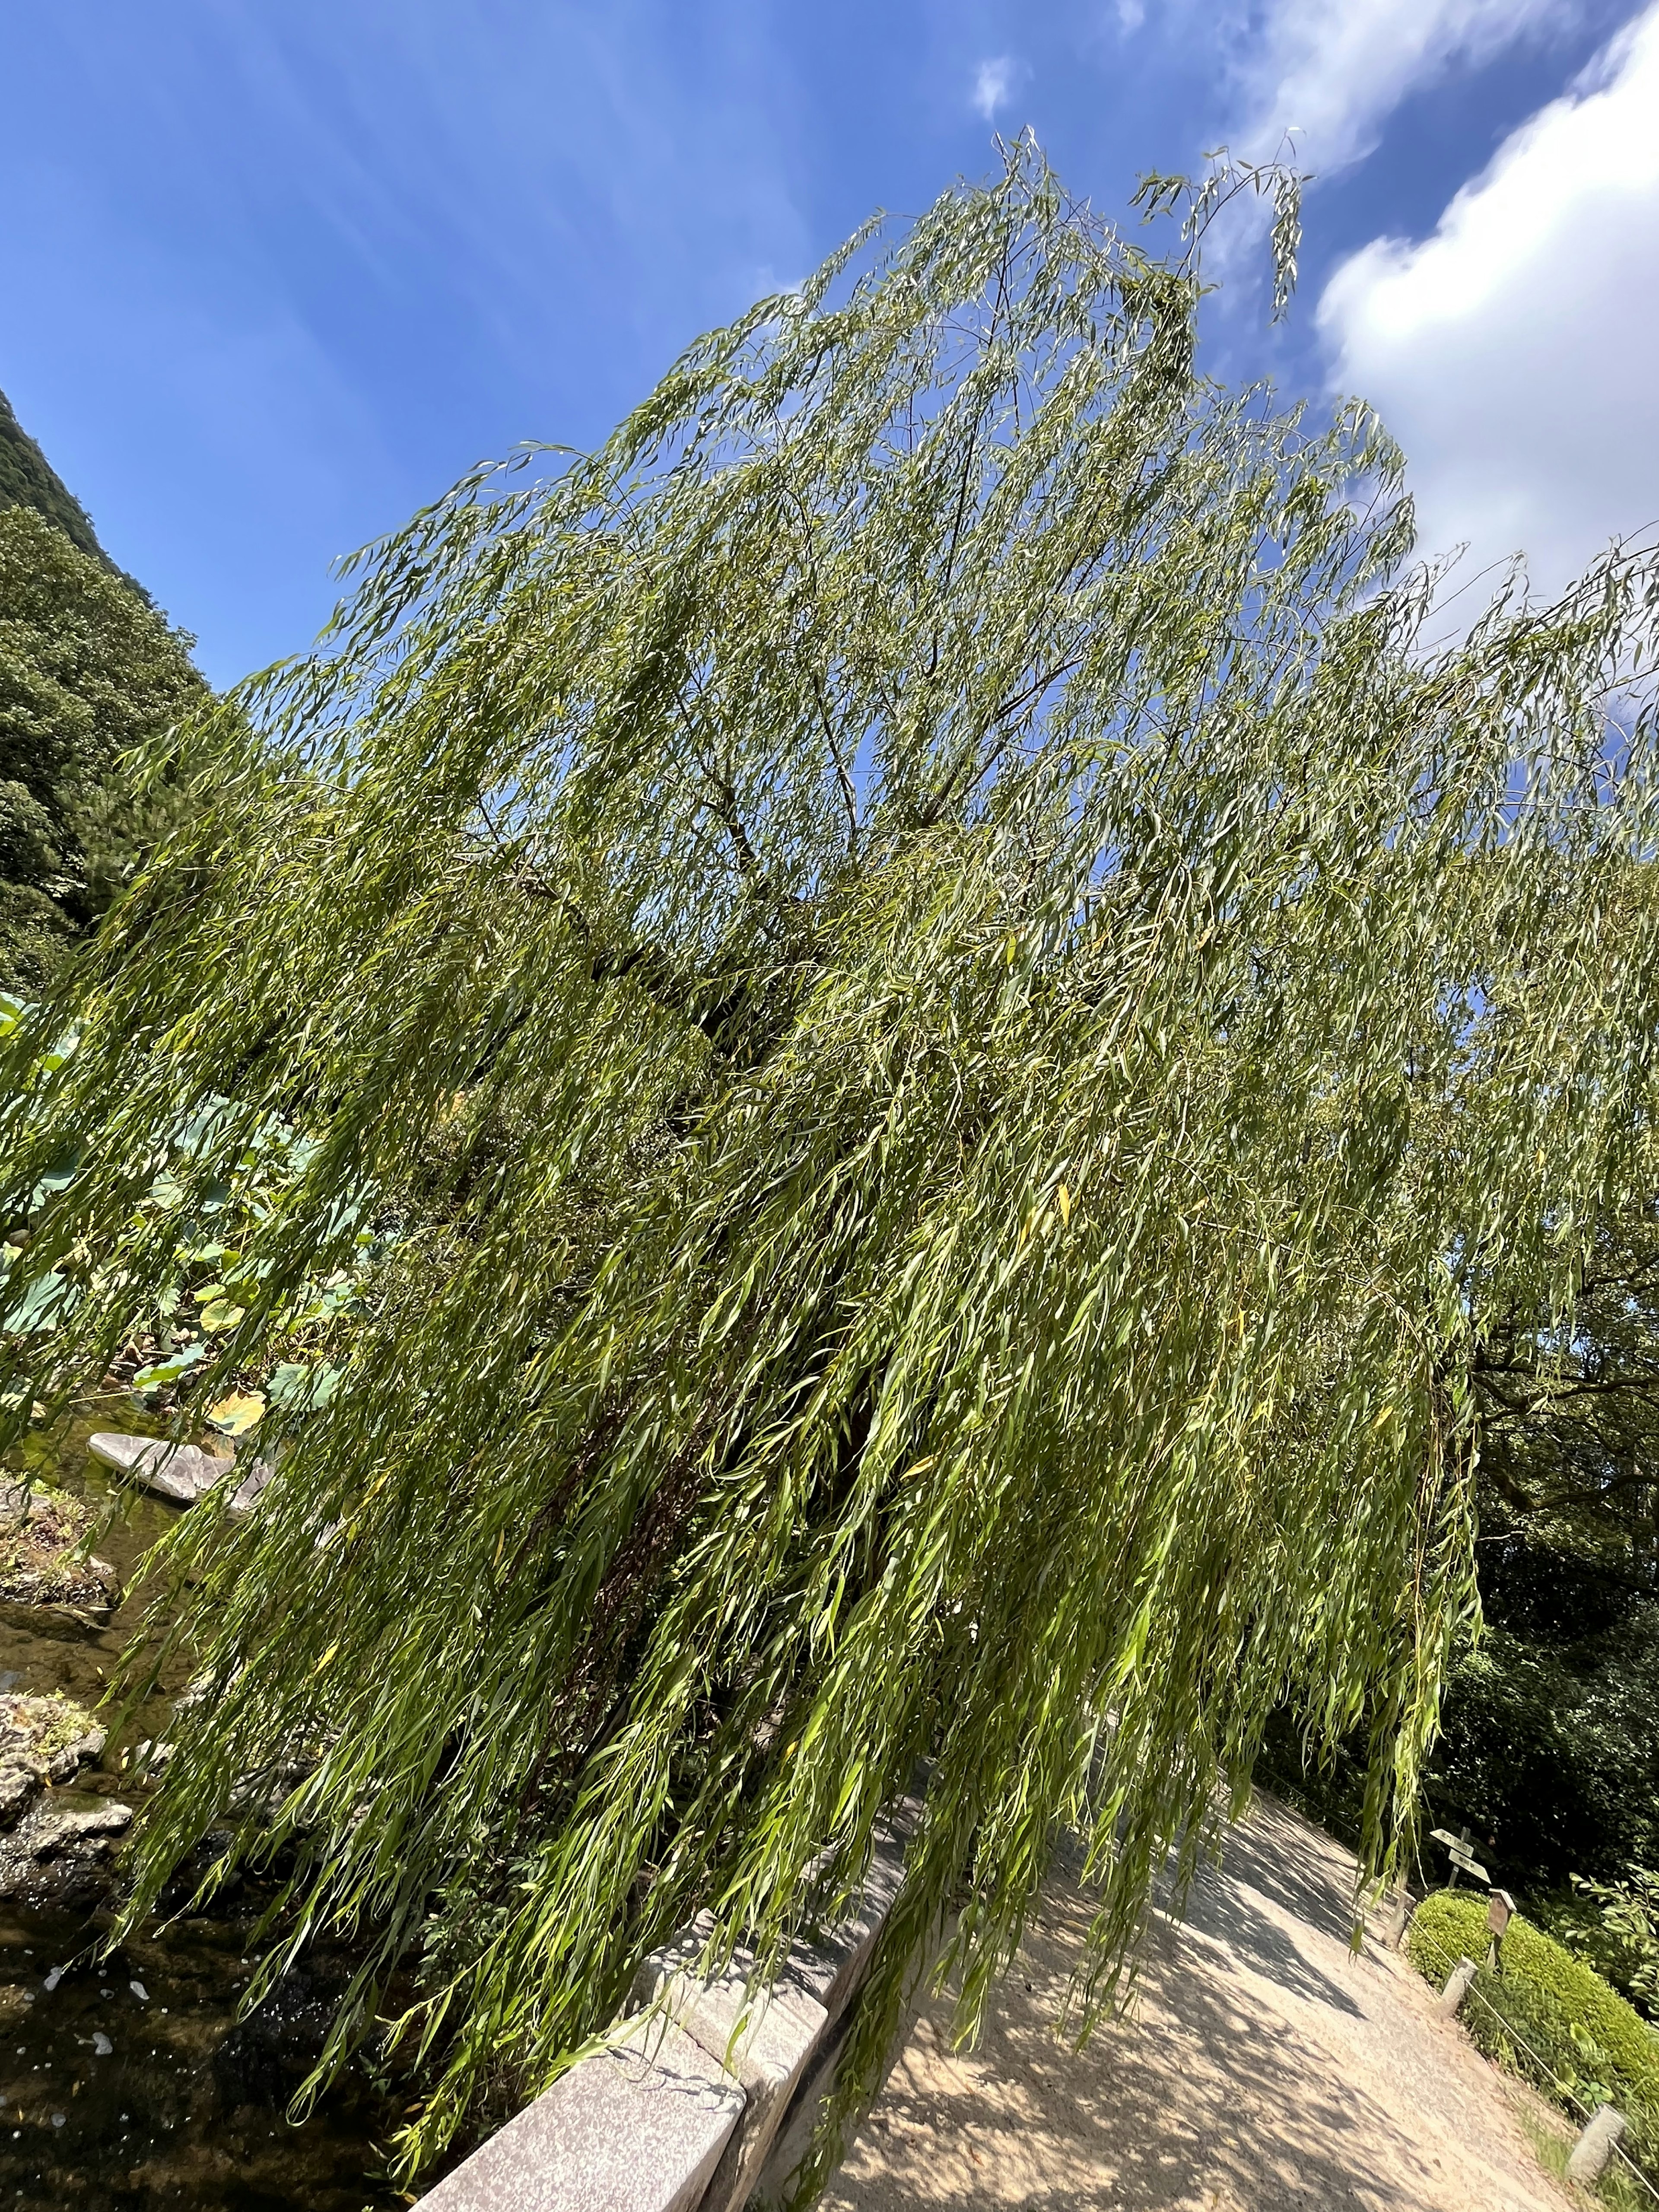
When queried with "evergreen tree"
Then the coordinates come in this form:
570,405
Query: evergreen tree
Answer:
968,1027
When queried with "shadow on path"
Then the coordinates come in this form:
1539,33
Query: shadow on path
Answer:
1262,2068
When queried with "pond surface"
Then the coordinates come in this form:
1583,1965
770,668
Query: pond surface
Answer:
127,2083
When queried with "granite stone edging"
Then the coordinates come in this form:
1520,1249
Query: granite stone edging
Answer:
703,2101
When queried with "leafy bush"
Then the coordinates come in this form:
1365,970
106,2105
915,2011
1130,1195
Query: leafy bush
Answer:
183,1345
1545,2014
1614,1927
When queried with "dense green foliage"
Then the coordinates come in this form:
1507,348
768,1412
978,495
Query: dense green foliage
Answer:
968,1029
1545,2015
1550,1749
28,479
1615,1925
1552,1743
1570,1457
88,669
192,1311
1551,1753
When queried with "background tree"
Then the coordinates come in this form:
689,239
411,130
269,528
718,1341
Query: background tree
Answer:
88,669
1549,1750
1552,1743
969,1029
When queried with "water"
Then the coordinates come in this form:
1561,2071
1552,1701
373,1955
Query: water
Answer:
121,2099
45,1648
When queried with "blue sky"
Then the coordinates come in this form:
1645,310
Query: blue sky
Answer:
272,275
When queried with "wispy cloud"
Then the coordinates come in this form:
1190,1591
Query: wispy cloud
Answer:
1333,70
994,81
332,256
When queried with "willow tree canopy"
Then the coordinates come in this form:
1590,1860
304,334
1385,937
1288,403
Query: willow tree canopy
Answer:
962,1021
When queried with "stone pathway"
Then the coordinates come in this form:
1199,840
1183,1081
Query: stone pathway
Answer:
1264,2067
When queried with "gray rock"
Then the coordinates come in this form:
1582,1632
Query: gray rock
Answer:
832,1967
20,1784
41,1739
60,1857
56,1829
1457,1987
183,1472
84,1749
1596,2146
763,2034
246,1492
41,1529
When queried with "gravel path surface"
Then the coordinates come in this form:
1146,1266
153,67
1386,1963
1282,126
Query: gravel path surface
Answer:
1264,2067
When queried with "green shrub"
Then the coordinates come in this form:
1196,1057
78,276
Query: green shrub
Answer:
1545,2014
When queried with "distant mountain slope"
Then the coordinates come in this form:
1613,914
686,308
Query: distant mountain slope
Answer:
28,479
89,668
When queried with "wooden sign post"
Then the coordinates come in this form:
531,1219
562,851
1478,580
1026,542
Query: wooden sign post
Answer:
1500,1906
1464,1861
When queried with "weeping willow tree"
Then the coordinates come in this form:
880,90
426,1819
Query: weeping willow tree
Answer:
964,1021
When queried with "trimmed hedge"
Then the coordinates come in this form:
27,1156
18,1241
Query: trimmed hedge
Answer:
1589,2045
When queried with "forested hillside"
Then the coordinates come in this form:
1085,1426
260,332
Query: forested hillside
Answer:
88,668
28,479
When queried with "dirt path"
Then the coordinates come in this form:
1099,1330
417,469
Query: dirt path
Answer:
1265,2067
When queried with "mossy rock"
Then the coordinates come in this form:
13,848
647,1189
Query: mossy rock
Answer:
41,1530
40,1727
1545,2014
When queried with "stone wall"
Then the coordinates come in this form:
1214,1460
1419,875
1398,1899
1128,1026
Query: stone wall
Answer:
705,2099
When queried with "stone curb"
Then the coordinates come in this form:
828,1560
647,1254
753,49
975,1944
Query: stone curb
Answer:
706,2097
627,2131
794,2139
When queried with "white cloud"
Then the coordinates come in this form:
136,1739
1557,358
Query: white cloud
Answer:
1513,353
992,82
1333,70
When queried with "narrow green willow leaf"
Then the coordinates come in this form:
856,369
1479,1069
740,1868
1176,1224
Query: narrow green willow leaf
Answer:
939,754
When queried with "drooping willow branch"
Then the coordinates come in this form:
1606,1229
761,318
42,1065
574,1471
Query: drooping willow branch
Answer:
966,1031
